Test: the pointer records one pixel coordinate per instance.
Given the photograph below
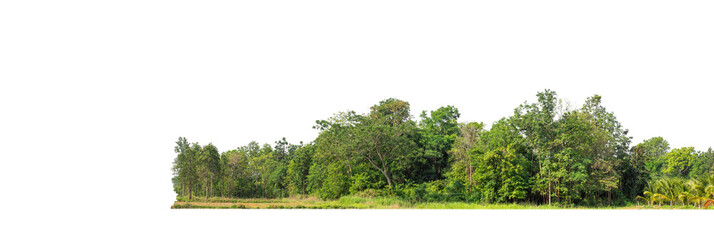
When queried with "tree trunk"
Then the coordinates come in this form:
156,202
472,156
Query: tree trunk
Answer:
557,194
389,181
304,187
549,192
349,165
471,179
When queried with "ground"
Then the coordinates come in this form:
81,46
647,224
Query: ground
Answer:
352,202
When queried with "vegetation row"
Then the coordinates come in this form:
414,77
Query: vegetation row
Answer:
546,153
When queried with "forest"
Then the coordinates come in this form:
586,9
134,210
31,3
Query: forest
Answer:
545,154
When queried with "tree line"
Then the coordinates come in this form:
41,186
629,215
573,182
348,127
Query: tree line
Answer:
546,152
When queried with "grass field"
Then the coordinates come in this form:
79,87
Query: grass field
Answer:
352,202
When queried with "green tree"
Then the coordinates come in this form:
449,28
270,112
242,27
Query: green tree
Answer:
653,151
462,166
208,166
185,165
703,164
439,130
655,147
236,178
573,163
635,175
500,168
386,139
333,147
536,122
298,170
679,161
610,149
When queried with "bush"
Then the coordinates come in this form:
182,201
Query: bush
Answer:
360,182
456,190
368,193
435,191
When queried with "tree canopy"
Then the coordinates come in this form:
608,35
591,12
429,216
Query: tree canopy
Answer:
545,153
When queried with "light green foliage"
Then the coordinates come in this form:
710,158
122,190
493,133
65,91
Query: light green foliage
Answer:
679,161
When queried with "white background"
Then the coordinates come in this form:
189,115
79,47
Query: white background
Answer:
93,95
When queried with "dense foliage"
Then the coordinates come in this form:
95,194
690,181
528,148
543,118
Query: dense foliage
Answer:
544,153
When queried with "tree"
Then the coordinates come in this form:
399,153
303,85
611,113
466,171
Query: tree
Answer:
573,164
439,131
500,167
679,161
328,176
703,164
179,166
610,149
649,197
655,147
545,152
235,175
185,165
653,150
469,135
298,170
537,123
334,147
208,166
260,168
386,139
635,175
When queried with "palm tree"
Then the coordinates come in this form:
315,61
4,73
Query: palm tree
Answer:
685,197
648,198
661,197
696,191
709,191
